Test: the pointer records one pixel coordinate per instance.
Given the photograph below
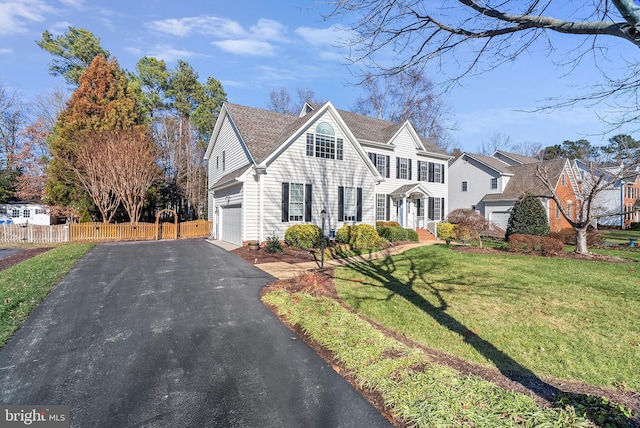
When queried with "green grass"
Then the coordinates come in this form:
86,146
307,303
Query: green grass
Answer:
24,286
420,392
573,320
618,236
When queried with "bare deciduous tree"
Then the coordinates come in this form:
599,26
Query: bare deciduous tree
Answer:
132,168
476,36
595,183
280,100
407,95
92,165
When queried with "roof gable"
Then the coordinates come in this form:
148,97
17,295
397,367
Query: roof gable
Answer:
513,159
490,162
526,180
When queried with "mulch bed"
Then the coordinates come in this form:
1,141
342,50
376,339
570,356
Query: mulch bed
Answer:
288,255
321,282
14,259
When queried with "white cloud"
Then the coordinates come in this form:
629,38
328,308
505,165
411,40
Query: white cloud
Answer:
17,14
246,47
205,25
170,54
73,3
5,51
331,36
268,29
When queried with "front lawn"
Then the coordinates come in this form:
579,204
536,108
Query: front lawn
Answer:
620,236
24,286
570,319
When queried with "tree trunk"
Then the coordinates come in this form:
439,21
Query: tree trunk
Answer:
581,241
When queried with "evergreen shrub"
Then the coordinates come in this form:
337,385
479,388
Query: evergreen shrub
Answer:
304,236
528,217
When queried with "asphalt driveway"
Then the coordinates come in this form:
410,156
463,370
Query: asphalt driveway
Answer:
172,334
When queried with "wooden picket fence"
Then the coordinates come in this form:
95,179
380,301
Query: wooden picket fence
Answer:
30,233
100,232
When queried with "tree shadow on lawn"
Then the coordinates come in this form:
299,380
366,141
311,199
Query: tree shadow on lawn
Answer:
383,271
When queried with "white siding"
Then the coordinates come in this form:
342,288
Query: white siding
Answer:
6,214
405,147
325,176
228,142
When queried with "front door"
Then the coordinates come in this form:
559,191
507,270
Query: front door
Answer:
400,212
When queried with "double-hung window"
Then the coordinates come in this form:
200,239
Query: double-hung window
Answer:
403,168
349,203
26,213
494,183
431,172
15,213
381,163
381,207
465,186
296,202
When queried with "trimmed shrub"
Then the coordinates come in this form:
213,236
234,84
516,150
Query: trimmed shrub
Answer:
528,217
364,236
273,245
395,234
535,244
343,235
445,231
360,237
304,236
387,224
635,225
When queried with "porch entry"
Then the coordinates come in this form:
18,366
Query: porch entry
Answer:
410,201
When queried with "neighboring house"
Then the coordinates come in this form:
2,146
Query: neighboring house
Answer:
492,184
620,199
268,171
24,212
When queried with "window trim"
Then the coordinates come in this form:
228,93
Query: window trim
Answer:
493,185
307,201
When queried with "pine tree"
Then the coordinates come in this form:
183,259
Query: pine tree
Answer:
528,217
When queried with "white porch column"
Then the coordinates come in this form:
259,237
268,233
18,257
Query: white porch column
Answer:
405,221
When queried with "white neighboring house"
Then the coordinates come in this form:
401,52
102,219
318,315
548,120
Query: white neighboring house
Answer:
24,212
268,171
621,198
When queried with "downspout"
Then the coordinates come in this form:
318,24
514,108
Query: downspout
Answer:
261,171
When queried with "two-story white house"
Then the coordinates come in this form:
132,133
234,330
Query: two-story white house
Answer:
268,171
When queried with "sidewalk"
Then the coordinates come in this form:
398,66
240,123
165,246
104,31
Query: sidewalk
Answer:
283,270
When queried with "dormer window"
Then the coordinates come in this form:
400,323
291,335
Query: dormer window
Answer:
324,143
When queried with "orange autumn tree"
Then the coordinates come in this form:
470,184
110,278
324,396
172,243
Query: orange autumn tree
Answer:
103,101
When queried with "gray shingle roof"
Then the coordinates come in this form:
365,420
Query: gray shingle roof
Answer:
260,129
518,158
263,131
494,163
526,180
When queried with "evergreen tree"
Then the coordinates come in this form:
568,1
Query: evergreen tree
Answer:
103,101
528,217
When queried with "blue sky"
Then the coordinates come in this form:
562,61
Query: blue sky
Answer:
254,47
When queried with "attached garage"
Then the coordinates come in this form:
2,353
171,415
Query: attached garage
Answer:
500,219
231,224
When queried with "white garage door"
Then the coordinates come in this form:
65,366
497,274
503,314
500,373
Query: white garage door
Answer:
500,219
231,224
